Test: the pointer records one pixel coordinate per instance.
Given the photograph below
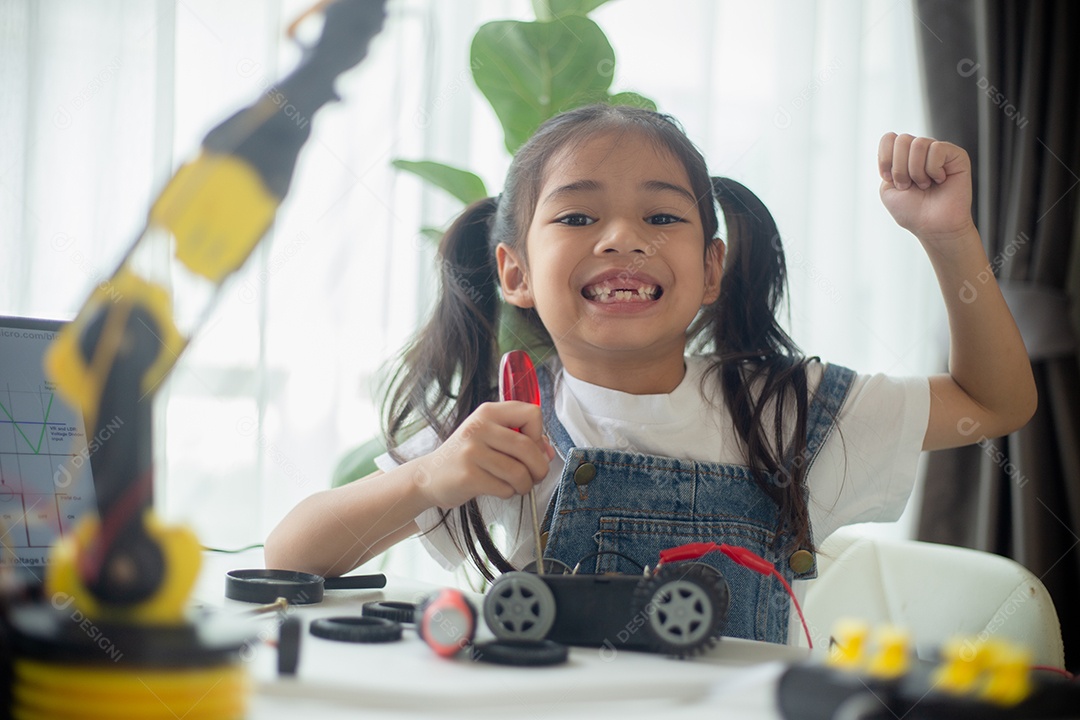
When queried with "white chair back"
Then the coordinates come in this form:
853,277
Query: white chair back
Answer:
934,591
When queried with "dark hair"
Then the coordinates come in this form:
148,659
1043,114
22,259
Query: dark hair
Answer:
450,368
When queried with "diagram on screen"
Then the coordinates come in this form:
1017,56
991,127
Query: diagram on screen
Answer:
45,478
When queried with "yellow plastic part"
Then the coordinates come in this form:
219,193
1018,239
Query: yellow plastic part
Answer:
995,671
182,554
80,382
962,664
79,692
218,208
1008,673
892,656
848,651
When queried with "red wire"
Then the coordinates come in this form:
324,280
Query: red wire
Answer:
1050,668
798,608
122,511
740,556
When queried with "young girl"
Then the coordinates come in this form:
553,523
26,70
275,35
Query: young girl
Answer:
675,409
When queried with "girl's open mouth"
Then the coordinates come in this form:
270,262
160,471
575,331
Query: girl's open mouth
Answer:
621,291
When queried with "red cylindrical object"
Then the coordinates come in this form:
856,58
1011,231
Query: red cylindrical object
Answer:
447,621
517,378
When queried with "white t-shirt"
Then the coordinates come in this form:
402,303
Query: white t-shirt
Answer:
863,473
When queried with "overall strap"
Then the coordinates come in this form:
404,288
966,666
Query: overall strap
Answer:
824,407
552,426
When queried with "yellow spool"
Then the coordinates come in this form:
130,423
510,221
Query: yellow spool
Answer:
182,555
78,692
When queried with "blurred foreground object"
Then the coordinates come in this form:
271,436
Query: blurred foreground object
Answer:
110,632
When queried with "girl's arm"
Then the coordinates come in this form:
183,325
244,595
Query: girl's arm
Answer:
990,390
333,531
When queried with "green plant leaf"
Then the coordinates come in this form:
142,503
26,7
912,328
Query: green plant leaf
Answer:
515,333
358,463
462,184
553,9
432,234
632,98
530,71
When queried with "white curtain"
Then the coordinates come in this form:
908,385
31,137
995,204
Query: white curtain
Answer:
105,98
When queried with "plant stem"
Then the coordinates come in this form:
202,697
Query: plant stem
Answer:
542,10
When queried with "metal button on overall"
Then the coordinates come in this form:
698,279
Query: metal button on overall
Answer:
801,561
584,474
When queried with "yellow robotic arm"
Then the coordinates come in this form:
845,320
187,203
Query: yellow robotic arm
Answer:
126,340
124,573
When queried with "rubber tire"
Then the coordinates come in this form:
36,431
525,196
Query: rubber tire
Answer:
520,653
356,629
402,612
685,605
519,606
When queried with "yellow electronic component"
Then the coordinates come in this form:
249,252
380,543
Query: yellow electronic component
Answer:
962,663
81,382
848,650
1008,673
182,554
47,690
892,656
218,208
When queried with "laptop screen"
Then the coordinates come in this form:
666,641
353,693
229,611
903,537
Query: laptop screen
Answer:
46,484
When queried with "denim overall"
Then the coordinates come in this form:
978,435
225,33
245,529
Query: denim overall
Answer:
638,505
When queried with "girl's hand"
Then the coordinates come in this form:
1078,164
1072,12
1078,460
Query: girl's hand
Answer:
487,456
926,186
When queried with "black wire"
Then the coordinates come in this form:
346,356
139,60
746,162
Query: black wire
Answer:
612,552
232,551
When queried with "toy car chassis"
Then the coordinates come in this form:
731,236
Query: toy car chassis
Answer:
679,609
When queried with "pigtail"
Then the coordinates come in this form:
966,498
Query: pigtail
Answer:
450,368
756,273
757,361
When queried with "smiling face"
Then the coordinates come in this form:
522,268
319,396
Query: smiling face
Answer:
616,263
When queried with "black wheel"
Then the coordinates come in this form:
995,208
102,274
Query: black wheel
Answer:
519,606
685,606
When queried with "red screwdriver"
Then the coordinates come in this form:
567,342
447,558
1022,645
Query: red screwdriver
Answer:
517,381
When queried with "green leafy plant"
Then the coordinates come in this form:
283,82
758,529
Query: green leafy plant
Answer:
529,72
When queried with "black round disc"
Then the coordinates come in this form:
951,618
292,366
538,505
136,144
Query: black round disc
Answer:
356,629
266,586
402,612
258,585
521,653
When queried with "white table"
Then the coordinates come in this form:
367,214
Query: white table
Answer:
407,680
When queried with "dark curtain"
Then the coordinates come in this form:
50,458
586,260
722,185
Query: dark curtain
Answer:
1002,80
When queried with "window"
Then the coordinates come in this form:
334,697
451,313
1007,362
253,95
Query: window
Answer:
106,99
